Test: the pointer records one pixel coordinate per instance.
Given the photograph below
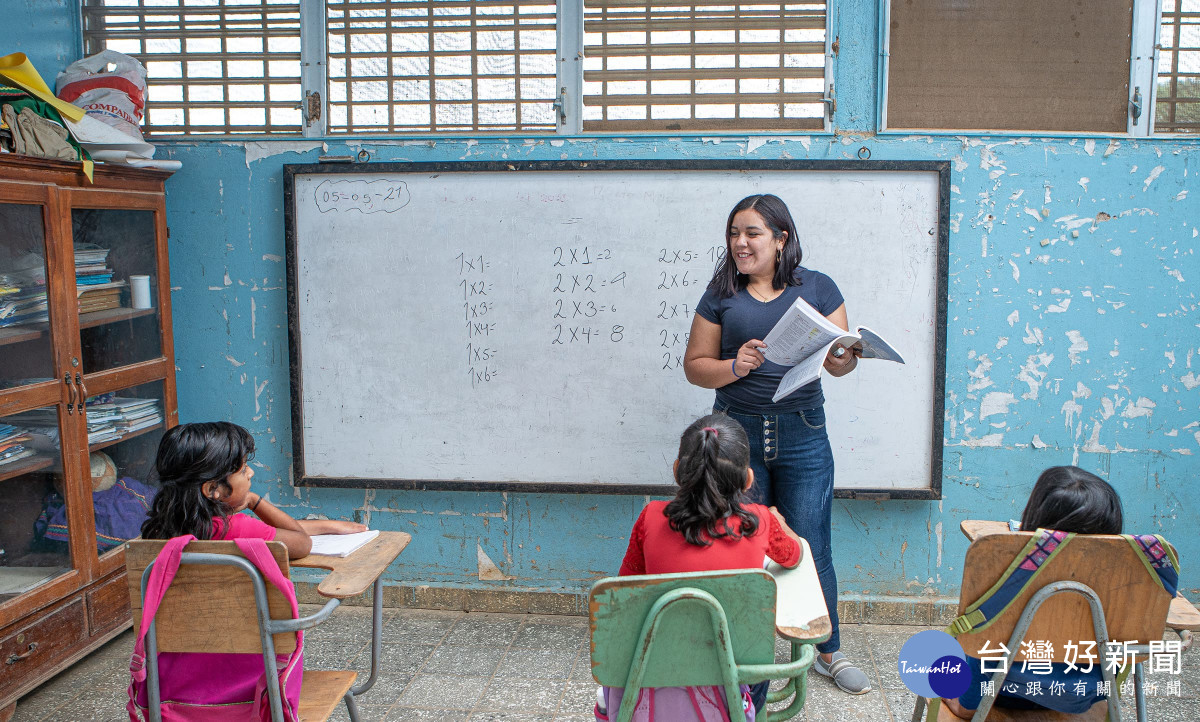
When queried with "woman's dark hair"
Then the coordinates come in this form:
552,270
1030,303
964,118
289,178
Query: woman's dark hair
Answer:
190,455
726,281
714,455
1067,498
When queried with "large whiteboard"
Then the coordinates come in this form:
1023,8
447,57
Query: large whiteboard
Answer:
522,326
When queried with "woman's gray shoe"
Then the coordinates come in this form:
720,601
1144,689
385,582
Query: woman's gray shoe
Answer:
845,675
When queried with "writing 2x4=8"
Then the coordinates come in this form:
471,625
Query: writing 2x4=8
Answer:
564,335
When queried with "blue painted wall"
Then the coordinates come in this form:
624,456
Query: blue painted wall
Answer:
48,31
1072,338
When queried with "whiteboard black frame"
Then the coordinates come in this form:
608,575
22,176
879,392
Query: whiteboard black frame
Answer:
291,170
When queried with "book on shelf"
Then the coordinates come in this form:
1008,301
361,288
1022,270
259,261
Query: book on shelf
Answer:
121,415
7,458
22,308
802,338
91,265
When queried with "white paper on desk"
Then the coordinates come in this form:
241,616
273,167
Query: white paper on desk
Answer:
799,601
341,545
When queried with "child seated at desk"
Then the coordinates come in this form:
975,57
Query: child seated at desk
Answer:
708,526
1065,498
205,476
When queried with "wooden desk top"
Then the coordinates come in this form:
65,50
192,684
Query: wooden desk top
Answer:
1182,614
973,529
353,575
800,611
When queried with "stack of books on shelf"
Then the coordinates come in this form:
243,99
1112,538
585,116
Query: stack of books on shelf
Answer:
13,444
100,297
26,305
23,292
112,417
90,265
93,279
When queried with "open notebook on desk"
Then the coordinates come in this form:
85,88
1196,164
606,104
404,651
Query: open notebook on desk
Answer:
340,545
800,611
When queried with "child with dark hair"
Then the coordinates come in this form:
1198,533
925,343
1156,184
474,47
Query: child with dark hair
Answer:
1065,498
708,526
205,473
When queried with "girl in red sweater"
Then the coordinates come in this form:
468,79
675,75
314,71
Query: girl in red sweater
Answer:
708,526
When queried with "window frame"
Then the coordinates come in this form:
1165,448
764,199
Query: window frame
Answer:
1143,76
569,79
1154,76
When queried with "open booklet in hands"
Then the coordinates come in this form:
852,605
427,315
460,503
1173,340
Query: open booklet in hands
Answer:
803,337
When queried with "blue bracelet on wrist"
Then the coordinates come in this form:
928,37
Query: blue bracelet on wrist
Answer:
733,368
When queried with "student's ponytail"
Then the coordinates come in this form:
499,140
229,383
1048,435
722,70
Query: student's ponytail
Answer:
714,455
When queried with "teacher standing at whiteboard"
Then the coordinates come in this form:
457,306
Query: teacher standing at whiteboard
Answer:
759,278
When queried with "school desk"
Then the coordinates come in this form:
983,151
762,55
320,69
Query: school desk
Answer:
800,612
801,617
351,575
1181,617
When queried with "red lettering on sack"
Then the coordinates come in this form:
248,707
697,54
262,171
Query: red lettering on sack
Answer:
110,110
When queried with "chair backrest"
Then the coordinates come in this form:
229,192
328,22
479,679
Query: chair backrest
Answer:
682,654
1135,604
208,608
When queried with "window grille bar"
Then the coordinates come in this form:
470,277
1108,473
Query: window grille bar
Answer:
704,65
214,67
1177,107
445,65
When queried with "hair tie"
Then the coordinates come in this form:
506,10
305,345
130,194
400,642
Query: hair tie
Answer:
709,428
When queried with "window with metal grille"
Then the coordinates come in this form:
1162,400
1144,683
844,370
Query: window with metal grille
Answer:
703,65
214,66
1177,106
441,65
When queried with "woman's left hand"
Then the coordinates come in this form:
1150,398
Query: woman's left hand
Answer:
841,365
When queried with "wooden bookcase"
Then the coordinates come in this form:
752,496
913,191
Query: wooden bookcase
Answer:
75,355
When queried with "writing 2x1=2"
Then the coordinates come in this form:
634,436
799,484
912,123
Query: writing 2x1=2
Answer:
583,256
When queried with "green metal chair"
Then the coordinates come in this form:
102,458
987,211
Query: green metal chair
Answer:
692,629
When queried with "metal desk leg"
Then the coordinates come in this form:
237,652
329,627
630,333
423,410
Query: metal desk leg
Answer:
376,636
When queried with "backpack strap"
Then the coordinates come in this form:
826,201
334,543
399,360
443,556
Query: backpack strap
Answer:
1029,562
1158,558
166,565
255,550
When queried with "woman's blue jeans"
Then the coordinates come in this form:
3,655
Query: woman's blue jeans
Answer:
793,470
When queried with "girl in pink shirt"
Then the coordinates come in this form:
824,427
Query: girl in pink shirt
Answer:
205,476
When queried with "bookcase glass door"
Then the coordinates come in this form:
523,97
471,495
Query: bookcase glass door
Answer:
34,539
124,428
116,281
24,307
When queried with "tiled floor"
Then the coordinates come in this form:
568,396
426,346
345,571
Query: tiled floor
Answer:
459,667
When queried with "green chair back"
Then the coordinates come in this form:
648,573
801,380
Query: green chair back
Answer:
685,651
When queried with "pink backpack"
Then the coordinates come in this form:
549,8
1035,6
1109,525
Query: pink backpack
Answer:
205,687
674,704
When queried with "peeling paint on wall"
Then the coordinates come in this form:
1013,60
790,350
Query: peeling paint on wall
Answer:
488,571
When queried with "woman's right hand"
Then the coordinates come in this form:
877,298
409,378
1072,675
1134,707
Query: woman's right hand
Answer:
749,357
